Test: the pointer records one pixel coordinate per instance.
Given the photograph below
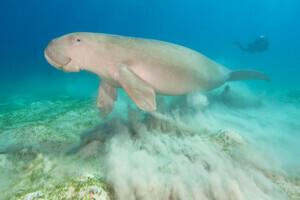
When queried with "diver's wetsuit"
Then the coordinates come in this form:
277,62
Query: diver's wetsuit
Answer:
259,45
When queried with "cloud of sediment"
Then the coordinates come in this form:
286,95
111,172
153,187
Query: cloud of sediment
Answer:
219,159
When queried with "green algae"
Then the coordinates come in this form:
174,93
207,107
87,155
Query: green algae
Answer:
60,122
43,176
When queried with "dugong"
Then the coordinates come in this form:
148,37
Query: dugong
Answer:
142,67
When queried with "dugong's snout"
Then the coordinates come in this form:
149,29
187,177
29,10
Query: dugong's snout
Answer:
56,56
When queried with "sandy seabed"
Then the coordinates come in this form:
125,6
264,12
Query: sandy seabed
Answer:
228,144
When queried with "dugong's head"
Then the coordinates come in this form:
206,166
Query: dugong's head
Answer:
73,52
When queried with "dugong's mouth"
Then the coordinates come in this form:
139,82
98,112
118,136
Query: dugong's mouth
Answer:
56,58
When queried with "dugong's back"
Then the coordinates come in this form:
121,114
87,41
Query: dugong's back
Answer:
170,69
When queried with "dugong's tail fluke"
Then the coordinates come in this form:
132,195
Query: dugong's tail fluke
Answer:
247,75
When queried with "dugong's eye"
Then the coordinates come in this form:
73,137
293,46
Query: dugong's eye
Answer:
75,40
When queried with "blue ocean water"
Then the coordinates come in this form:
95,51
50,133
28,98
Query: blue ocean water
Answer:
209,27
50,109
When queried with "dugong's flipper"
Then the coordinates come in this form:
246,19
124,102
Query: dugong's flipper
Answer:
106,97
139,91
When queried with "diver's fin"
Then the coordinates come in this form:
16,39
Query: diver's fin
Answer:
140,92
106,97
247,75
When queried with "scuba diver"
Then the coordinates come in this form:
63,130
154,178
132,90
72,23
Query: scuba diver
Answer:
260,44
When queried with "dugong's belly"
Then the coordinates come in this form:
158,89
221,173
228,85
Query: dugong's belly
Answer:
178,79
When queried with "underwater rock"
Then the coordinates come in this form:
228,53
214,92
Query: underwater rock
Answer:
33,196
45,179
93,192
70,189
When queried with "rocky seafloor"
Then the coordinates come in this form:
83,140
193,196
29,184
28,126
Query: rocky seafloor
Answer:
230,144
